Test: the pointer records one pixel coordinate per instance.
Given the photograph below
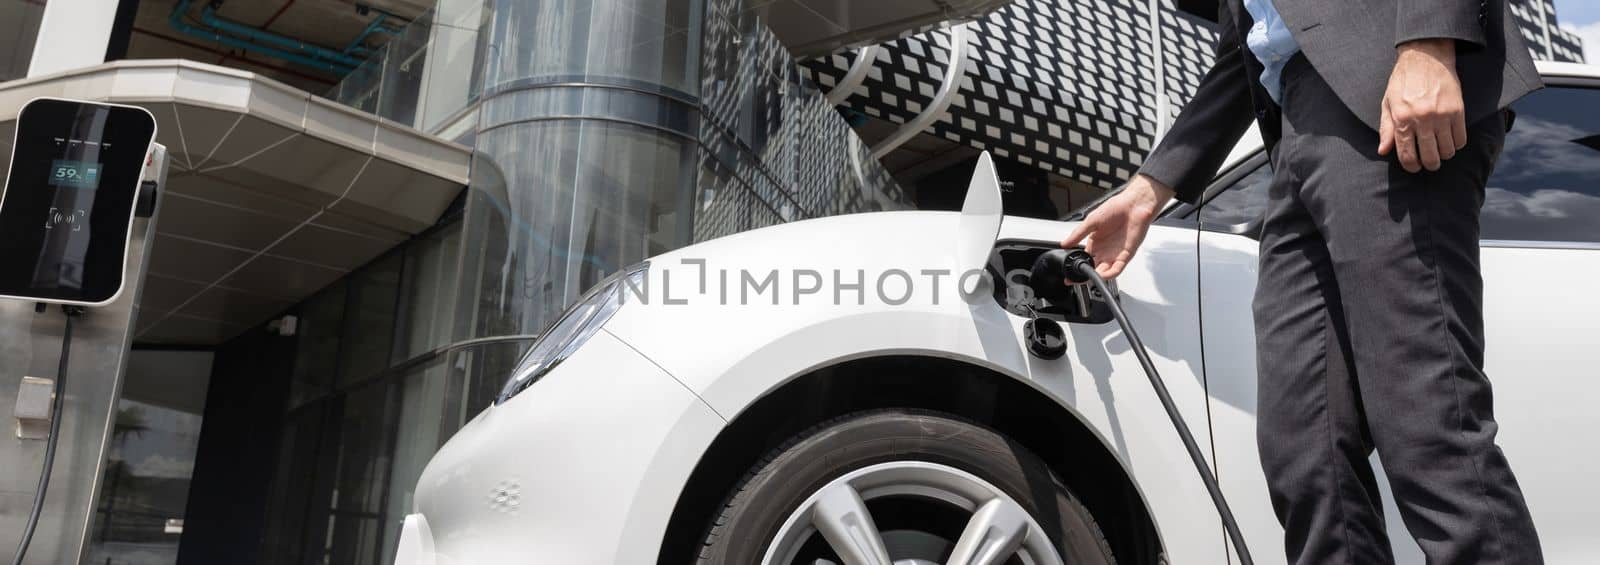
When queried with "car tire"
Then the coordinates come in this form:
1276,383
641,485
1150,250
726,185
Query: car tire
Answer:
765,502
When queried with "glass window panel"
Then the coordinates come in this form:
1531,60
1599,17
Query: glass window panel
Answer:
316,356
362,452
1243,202
139,516
431,406
452,69
402,80
634,41
1546,186
428,292
363,87
369,329
353,540
295,503
581,200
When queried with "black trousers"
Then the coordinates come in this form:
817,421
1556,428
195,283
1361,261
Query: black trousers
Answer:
1369,329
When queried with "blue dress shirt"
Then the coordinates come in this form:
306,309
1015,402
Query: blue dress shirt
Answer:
1269,39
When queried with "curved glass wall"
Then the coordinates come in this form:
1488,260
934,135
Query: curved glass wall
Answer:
651,44
613,130
581,199
586,153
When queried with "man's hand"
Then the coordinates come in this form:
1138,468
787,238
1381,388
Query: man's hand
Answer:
1113,231
1424,120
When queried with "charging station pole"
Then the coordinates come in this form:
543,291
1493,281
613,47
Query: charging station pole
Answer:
30,348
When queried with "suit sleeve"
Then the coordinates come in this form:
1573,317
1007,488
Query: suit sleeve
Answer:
1434,19
1209,125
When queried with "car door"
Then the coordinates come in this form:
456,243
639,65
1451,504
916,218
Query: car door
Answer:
1540,259
1100,378
1541,272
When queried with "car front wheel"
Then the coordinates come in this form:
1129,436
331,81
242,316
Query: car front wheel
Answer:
903,487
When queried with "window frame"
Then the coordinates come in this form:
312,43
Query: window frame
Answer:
1244,167
1552,81
1221,183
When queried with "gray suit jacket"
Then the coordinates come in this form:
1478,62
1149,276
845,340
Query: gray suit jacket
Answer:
1351,43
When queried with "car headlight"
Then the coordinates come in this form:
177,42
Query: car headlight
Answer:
576,326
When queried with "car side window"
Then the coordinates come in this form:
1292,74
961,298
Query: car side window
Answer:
1546,186
1240,204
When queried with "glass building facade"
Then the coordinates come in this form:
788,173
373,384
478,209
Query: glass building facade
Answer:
604,132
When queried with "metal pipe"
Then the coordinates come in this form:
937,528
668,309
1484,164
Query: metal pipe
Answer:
208,16
177,23
865,57
356,45
941,100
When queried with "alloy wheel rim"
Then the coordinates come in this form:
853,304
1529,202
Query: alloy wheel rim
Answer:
996,530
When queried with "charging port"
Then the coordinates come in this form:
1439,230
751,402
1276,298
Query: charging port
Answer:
1012,262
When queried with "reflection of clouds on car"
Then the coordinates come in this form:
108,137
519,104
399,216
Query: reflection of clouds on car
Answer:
1537,147
1547,214
1545,184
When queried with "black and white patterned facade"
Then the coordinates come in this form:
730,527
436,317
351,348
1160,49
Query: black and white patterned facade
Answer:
1075,88
772,149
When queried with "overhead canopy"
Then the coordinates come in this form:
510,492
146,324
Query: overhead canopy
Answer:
272,193
818,27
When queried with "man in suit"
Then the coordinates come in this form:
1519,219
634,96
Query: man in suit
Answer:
1384,119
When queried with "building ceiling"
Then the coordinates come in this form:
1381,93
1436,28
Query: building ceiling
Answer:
327,23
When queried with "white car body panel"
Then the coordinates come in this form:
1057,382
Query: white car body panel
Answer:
603,444
591,479
732,355
1542,330
650,428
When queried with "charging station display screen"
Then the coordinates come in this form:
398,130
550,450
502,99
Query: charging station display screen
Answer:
69,199
74,174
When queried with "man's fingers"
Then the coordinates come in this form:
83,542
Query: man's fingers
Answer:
1385,132
1458,130
1083,230
1428,149
1447,144
1110,271
1405,147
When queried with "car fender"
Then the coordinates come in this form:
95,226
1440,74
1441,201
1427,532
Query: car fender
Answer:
732,347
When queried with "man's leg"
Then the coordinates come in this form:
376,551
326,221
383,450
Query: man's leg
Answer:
1314,446
1404,250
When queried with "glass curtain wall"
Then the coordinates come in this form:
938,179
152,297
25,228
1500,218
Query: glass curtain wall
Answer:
586,153
139,517
427,74
598,143
613,130
376,387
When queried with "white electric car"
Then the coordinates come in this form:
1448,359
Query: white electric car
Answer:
847,390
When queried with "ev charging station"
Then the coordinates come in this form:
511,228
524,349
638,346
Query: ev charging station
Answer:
67,211
76,220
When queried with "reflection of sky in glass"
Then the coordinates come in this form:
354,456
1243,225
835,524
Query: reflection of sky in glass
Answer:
1546,185
152,456
166,448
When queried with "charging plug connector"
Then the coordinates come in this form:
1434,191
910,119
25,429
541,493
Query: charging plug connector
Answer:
1077,265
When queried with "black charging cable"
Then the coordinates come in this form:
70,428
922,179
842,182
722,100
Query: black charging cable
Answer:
1079,268
56,416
